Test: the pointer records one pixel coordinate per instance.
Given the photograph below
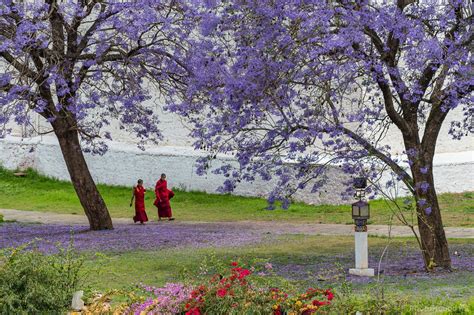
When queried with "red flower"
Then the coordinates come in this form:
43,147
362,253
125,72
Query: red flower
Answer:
221,292
244,273
194,311
320,303
329,295
234,263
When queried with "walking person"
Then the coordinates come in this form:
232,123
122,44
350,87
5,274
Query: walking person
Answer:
139,195
163,196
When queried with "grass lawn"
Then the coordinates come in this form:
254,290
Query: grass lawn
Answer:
302,253
35,192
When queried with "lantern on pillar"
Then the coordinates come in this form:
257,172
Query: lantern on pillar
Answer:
361,208
360,214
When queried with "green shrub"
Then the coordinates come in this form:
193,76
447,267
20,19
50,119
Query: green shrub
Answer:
371,304
35,283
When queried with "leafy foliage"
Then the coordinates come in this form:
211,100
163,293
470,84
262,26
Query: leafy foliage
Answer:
32,282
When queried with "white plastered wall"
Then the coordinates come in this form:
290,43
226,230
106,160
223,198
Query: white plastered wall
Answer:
124,163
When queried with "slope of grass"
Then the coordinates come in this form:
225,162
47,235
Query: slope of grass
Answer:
36,192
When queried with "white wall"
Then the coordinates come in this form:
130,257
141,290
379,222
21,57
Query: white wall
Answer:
123,164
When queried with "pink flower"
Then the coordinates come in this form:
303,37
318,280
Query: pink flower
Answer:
268,266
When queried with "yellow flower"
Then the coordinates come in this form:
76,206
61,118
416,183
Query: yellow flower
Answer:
291,313
298,303
275,307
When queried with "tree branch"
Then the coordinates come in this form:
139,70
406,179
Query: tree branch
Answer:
22,68
373,150
57,27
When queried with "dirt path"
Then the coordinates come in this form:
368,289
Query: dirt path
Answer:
264,227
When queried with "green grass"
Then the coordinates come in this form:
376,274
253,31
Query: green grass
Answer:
156,268
36,192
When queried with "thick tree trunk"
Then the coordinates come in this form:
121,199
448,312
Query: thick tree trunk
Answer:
433,239
89,196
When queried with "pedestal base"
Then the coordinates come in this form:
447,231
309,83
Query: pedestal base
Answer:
367,272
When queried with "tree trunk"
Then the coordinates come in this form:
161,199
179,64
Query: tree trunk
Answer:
89,196
434,244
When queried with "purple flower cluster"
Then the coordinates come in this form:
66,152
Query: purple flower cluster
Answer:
126,237
168,299
104,63
313,82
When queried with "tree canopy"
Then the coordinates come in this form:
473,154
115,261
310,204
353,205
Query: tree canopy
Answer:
318,83
82,64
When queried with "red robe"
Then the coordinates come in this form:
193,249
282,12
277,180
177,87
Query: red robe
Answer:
162,202
140,214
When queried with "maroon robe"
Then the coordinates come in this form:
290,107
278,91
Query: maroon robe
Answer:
140,213
162,202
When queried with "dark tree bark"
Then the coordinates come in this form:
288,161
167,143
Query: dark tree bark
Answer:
434,244
89,196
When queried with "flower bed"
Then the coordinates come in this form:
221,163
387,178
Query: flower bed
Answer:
230,292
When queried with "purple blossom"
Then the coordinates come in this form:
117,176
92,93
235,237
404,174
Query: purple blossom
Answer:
96,82
261,87
424,186
422,202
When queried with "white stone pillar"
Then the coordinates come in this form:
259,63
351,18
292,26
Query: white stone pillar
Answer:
361,256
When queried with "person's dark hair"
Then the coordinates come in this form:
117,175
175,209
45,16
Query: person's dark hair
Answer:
163,175
140,181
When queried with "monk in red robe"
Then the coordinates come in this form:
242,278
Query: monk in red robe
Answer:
163,196
139,195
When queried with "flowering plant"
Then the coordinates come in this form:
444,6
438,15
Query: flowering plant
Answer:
304,304
231,291
166,300
234,293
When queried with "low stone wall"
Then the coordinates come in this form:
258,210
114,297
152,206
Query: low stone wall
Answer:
123,164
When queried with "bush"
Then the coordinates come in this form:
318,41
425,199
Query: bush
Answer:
32,282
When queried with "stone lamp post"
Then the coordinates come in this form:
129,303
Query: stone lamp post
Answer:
360,214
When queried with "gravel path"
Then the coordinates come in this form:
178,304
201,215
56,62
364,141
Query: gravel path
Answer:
259,227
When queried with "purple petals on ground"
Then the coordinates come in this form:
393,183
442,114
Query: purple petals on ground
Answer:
398,262
126,237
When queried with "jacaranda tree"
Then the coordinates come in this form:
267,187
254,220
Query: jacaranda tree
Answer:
80,65
318,83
